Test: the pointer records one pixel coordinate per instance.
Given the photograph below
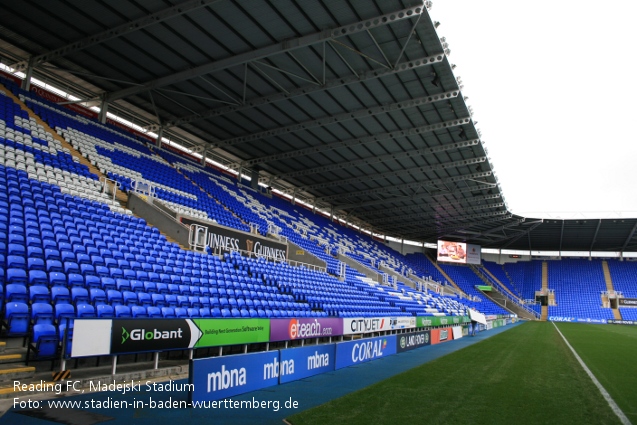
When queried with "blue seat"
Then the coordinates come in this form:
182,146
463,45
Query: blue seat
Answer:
159,300
92,281
16,276
144,299
129,298
150,288
63,333
171,300
168,312
102,271
42,313
44,342
39,294
116,273
69,266
16,292
82,258
52,254
183,301
63,311
153,311
204,312
194,312
105,310
138,311
55,266
225,312
122,311
57,279
181,313
16,318
16,248
35,252
122,284
75,280
97,296
136,286
16,261
114,297
79,296
60,294
38,277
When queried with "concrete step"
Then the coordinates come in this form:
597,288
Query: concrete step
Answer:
15,372
11,358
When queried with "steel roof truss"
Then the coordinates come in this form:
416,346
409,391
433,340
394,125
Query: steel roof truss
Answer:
358,141
273,49
386,175
402,187
121,30
305,90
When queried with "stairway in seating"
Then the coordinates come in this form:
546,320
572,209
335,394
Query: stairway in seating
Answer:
486,270
545,288
446,276
610,288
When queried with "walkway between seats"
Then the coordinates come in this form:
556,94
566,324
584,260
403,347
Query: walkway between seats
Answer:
308,393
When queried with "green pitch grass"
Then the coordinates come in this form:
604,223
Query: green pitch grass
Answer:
526,375
610,352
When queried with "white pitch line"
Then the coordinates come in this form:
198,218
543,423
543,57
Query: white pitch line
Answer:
622,417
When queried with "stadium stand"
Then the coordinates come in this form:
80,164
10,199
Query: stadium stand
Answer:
69,251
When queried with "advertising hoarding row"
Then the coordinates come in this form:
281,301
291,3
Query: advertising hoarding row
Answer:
96,337
218,378
577,320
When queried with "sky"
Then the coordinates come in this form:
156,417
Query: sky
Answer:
553,90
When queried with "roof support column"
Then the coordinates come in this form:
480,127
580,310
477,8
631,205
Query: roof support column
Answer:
160,135
239,174
26,83
204,157
101,117
254,176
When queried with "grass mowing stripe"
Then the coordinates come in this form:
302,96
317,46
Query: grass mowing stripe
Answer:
624,420
526,375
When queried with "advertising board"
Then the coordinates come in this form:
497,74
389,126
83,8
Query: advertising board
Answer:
217,378
292,329
409,341
307,361
364,350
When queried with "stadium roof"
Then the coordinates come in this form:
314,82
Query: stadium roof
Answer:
351,106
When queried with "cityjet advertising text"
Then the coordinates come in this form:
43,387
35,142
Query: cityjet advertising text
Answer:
365,325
